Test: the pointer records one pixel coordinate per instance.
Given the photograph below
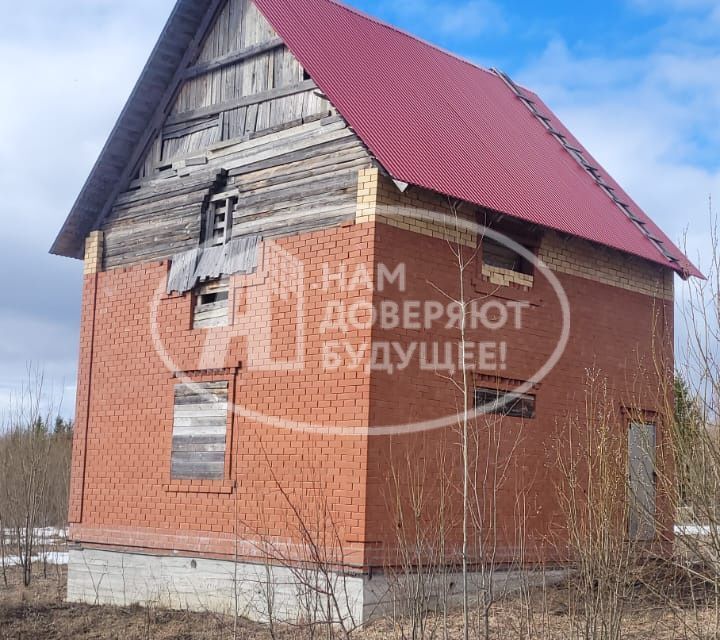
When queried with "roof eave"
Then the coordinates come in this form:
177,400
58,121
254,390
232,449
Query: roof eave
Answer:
167,53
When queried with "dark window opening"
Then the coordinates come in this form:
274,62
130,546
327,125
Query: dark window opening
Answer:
496,254
218,222
306,75
212,298
505,403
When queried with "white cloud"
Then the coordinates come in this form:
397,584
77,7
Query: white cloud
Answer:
464,20
652,123
66,92
649,122
469,19
67,69
677,5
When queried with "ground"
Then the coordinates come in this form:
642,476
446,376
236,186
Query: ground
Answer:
40,612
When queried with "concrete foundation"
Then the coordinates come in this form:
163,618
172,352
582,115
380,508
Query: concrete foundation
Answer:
256,591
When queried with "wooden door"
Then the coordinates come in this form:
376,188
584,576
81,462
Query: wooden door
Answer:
642,481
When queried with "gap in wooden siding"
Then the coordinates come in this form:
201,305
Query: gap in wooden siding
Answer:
200,431
211,304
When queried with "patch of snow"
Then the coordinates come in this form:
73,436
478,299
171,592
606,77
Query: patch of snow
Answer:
692,529
44,533
52,557
57,557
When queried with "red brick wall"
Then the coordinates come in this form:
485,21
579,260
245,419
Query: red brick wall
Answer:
122,494
618,333
125,496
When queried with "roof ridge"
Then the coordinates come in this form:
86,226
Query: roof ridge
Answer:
407,34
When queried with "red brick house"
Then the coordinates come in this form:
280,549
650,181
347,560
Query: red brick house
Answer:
286,180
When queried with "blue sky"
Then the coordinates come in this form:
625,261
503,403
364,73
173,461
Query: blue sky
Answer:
638,81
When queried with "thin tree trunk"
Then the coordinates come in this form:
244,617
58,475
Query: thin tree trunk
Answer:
2,553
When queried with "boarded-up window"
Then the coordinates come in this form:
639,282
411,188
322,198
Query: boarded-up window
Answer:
199,431
211,305
505,403
642,481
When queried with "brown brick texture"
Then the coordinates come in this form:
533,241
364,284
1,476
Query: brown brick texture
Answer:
122,493
352,482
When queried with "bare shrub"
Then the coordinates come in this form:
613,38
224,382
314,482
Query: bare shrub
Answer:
313,559
696,444
593,494
419,571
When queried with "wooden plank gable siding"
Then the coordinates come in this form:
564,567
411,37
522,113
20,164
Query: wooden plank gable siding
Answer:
244,80
240,24
298,177
200,431
244,121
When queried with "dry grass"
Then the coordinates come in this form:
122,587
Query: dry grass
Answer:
40,612
665,604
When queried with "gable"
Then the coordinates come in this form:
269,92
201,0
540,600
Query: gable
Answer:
243,81
431,119
220,73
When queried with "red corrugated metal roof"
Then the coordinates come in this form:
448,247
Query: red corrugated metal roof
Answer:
439,122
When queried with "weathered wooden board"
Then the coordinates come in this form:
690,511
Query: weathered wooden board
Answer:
220,61
642,517
239,25
199,431
291,180
243,81
211,310
199,471
258,97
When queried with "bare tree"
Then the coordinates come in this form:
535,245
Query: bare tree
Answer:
487,453
463,260
33,475
3,539
696,435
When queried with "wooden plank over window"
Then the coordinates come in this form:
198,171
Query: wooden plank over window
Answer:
218,221
211,305
642,476
200,431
